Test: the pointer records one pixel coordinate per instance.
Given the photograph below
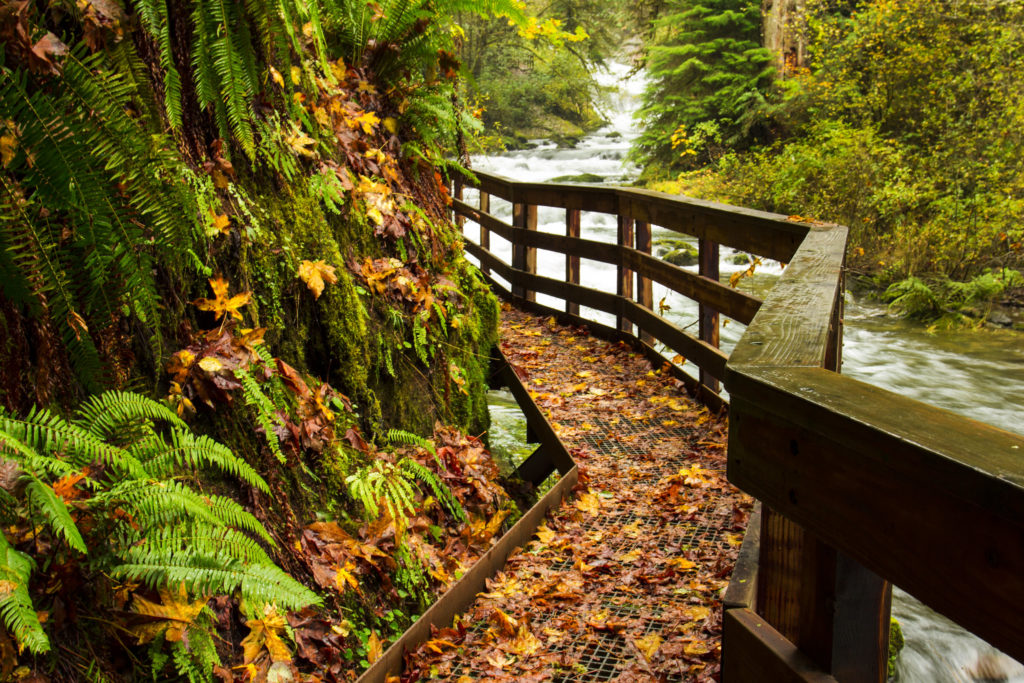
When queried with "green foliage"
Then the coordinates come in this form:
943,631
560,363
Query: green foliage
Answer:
706,66
906,127
88,196
263,410
133,518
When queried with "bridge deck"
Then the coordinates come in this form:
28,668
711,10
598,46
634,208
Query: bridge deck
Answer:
624,581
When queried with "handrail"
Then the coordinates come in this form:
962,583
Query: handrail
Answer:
859,485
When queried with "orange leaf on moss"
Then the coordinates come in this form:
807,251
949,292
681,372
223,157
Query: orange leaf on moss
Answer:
222,304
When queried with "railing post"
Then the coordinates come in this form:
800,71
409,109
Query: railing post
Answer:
485,234
625,280
572,261
458,193
644,289
708,267
524,258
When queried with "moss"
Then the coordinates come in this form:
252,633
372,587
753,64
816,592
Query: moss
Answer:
895,645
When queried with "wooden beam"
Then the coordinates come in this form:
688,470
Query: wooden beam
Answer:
485,234
624,284
572,258
644,289
754,652
708,266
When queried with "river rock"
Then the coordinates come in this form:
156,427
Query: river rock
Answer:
682,257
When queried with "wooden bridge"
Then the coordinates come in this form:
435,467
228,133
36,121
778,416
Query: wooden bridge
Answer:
859,486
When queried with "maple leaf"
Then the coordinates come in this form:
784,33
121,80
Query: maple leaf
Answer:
266,633
300,142
315,274
221,224
648,645
222,304
345,577
174,615
589,503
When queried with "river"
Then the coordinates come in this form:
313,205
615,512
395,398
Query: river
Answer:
976,373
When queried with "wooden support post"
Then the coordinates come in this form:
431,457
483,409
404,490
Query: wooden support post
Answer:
644,289
485,234
708,267
460,220
572,261
625,279
832,608
523,257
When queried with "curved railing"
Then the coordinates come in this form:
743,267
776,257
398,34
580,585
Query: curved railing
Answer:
860,486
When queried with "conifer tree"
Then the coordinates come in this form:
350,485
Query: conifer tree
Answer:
708,74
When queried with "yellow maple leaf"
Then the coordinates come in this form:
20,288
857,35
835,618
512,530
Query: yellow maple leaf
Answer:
315,274
391,125
589,503
266,633
300,142
174,615
276,76
363,86
345,577
648,645
222,304
221,223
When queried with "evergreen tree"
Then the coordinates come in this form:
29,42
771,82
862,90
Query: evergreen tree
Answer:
708,74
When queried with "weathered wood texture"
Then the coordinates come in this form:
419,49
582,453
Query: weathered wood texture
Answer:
754,652
709,331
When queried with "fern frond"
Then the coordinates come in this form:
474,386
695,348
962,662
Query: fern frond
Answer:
160,459
400,436
263,409
55,512
106,414
415,470
215,575
16,610
45,432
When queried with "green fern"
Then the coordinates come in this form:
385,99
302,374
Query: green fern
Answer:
263,411
145,524
400,436
16,611
414,470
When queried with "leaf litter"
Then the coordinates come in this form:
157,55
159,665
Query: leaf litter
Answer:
625,581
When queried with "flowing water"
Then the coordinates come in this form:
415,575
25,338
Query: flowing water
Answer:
978,374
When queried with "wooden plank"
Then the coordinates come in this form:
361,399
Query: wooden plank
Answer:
519,217
572,258
485,234
946,494
709,332
702,354
742,589
792,326
624,282
457,193
644,289
754,651
731,302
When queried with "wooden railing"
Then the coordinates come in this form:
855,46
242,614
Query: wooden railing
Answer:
860,486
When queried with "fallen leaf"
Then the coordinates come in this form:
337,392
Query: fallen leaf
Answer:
374,648
315,274
173,615
648,645
266,633
222,304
